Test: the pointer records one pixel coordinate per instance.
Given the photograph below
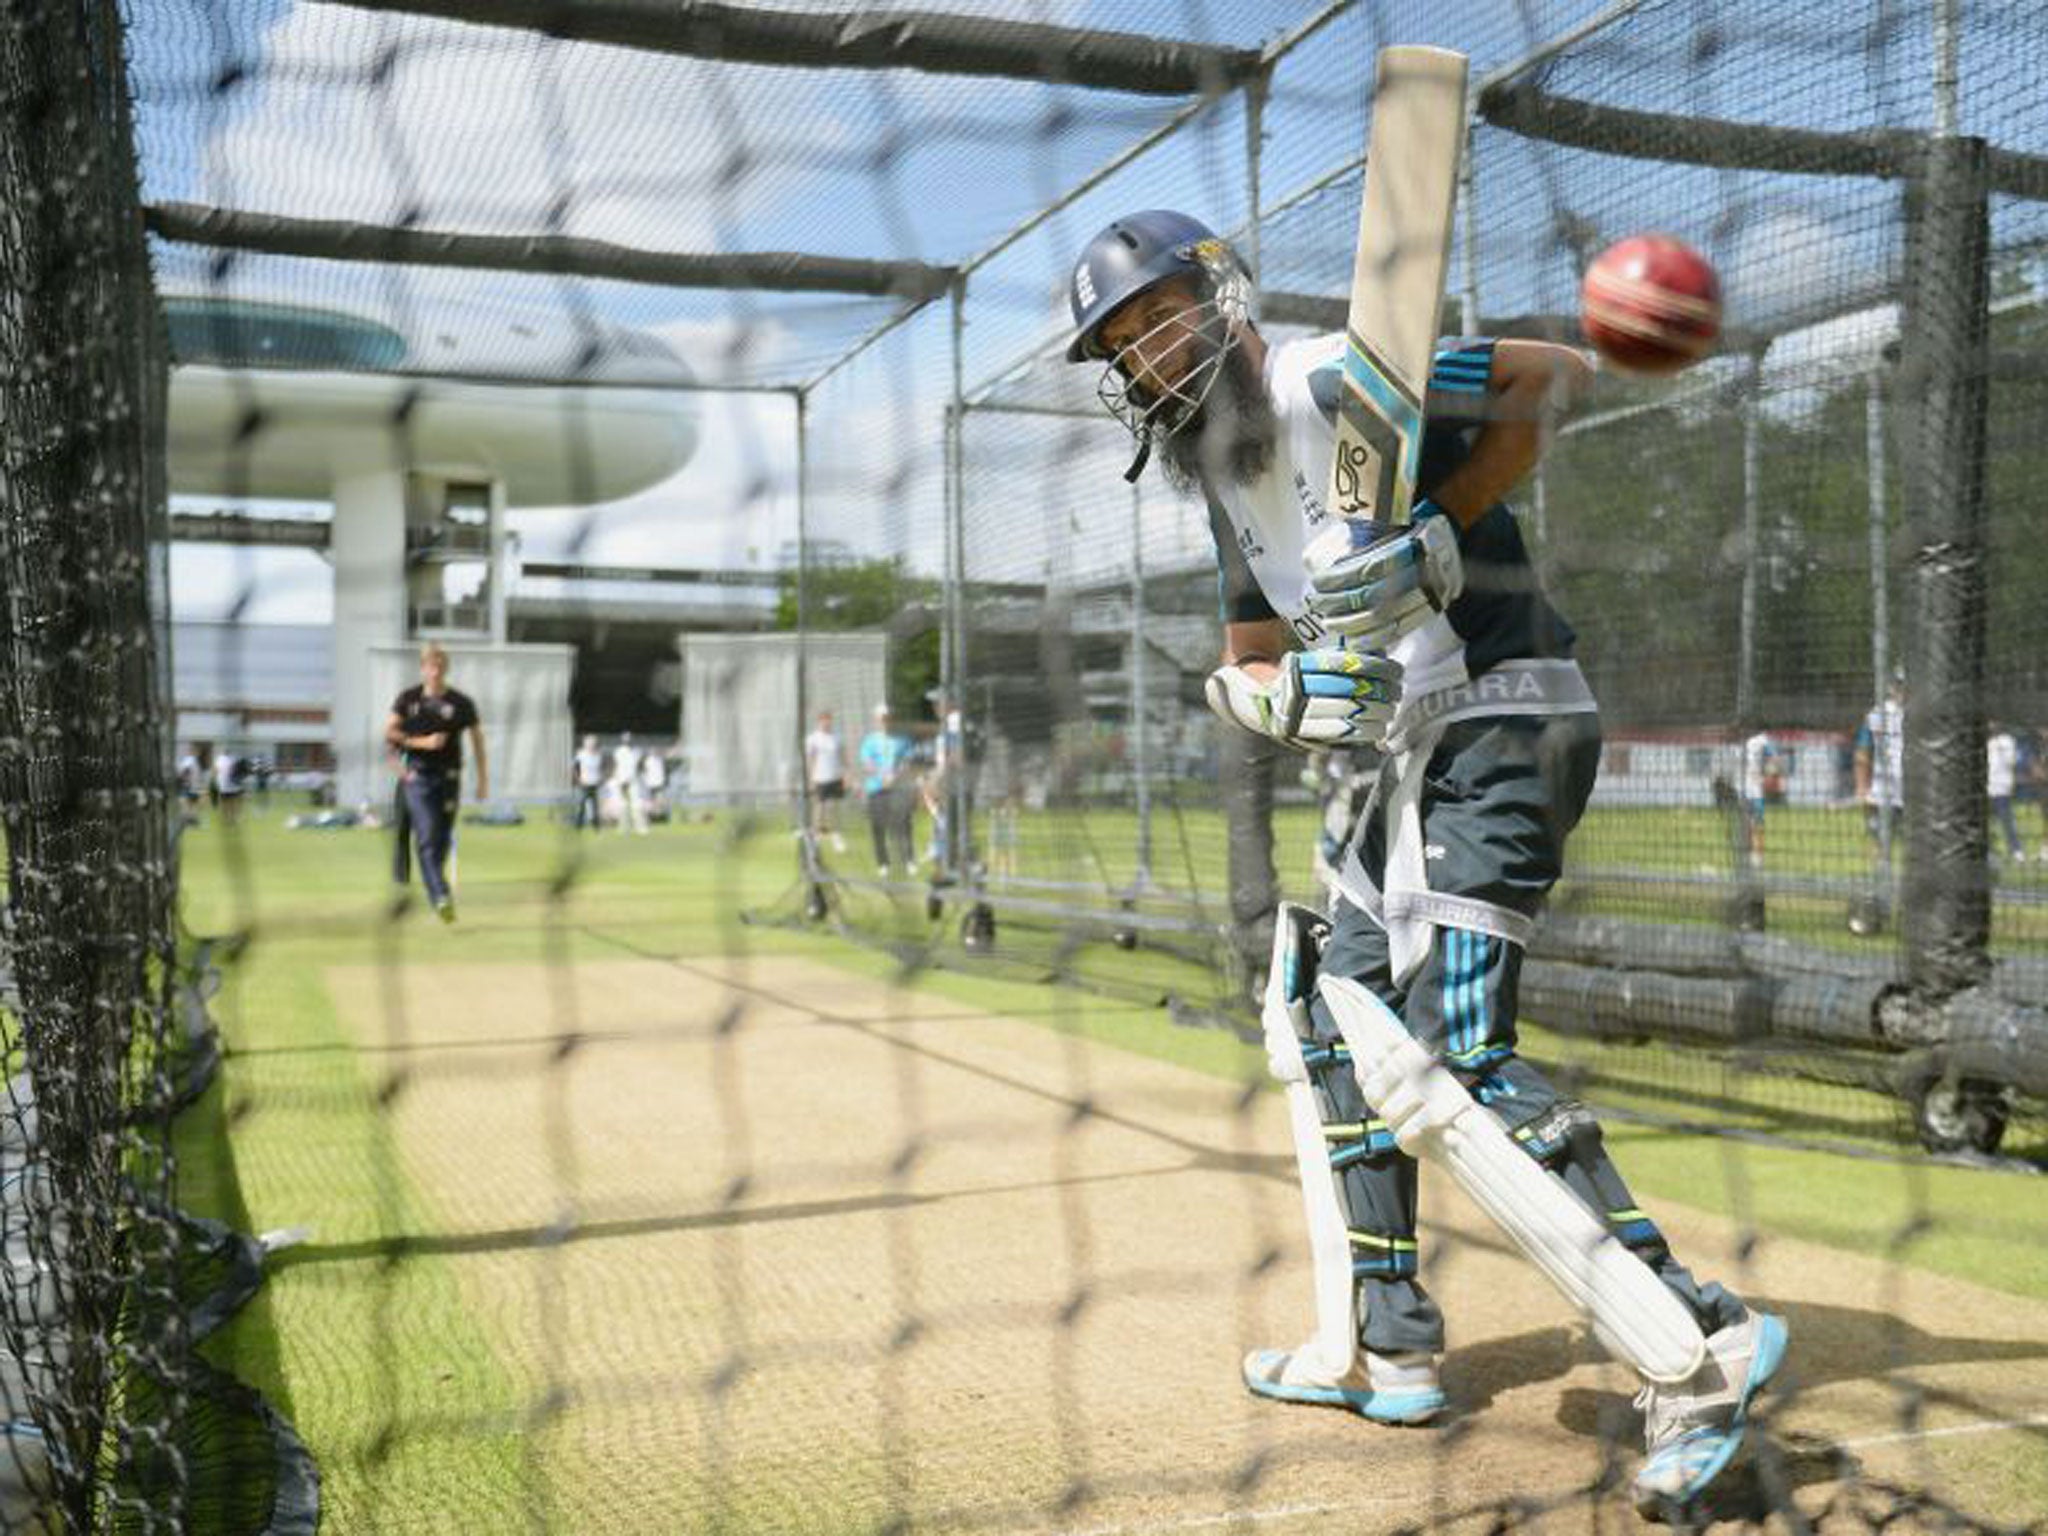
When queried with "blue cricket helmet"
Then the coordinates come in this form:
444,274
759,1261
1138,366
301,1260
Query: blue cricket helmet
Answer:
1137,252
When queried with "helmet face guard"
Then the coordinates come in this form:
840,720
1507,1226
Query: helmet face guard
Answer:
1150,408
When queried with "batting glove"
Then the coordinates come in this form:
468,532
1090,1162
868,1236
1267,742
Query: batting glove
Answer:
1372,584
1320,699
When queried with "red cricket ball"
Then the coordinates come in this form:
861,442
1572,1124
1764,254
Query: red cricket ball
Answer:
1651,304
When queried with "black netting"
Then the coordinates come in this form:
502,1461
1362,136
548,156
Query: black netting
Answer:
94,1340
821,1088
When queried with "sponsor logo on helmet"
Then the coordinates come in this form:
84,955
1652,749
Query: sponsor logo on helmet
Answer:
1084,285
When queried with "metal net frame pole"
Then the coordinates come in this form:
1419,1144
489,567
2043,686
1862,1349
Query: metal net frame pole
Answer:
1947,81
1468,222
1946,916
801,400
1255,90
1752,543
1141,767
1876,474
953,631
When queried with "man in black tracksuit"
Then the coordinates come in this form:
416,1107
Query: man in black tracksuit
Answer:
425,728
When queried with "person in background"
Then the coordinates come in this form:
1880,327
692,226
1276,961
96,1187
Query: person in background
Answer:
654,786
1759,767
825,772
190,777
228,779
2033,772
626,779
586,774
425,728
937,785
884,757
1881,768
2001,775
1002,838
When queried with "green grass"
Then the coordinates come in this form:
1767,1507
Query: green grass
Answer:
350,1342
1097,847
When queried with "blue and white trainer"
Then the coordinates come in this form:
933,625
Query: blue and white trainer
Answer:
1694,1429
1390,1389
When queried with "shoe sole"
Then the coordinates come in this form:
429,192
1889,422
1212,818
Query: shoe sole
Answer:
1397,1408
1765,1359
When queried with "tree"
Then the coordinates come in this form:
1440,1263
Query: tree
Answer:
881,594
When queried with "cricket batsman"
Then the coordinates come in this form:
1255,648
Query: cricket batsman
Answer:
1393,1022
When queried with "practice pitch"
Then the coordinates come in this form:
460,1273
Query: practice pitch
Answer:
801,1251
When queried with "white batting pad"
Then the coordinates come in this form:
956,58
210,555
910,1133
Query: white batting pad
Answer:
1331,1349
1632,1313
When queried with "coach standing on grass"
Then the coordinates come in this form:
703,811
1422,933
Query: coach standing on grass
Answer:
884,755
425,728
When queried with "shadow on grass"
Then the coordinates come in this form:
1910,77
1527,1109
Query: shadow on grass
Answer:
209,1185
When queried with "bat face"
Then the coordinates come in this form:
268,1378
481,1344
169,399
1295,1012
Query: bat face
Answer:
1379,438
1397,281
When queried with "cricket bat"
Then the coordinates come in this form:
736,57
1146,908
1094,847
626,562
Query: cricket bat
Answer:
1397,281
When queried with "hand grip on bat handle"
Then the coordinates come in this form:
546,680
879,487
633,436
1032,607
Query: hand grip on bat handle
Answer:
1372,583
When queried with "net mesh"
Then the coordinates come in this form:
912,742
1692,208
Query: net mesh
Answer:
92,1325
881,1141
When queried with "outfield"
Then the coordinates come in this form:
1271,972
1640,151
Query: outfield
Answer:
797,1243
1804,847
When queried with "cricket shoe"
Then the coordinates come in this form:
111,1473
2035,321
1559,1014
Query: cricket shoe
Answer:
1388,1389
445,910
1694,1429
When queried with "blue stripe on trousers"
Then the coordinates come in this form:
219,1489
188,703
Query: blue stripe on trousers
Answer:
1475,982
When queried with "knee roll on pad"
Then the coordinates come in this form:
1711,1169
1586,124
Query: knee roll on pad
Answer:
1298,936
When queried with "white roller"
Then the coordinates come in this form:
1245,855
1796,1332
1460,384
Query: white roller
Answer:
1633,1313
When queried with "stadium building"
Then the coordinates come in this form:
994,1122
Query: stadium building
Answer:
420,462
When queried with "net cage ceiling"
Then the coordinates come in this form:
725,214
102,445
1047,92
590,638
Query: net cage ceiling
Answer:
833,145
770,186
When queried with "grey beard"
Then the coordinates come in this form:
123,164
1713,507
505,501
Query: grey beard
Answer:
1230,441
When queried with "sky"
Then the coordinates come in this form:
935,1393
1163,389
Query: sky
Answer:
344,113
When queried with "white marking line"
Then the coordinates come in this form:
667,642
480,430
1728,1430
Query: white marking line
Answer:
1300,1511
1243,1516
1981,1427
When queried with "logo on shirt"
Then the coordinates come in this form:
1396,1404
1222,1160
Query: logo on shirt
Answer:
1309,628
1249,543
1311,508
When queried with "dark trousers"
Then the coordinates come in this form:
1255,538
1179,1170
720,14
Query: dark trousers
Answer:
2001,809
889,812
1498,801
430,800
586,807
